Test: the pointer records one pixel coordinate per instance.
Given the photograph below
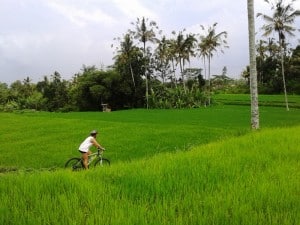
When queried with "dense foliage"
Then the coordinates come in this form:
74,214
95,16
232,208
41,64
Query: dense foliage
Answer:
269,69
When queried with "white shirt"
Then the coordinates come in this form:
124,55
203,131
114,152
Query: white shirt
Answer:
86,144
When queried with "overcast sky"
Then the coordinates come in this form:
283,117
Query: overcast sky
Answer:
38,37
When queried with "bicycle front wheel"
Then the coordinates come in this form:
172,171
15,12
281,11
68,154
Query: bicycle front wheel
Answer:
102,162
74,164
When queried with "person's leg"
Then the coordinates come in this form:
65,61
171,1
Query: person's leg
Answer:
85,157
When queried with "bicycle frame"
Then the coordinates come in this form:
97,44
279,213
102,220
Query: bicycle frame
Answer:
96,159
94,156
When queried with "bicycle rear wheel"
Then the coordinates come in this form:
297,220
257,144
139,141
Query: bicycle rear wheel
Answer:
102,162
74,164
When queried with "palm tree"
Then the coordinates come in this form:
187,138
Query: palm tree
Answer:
210,43
125,54
272,48
261,50
280,22
143,34
184,46
203,53
129,62
162,57
253,72
172,56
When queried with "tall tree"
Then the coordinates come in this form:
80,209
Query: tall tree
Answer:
145,31
280,22
162,58
210,43
184,48
294,71
129,62
261,50
54,91
172,56
126,53
4,93
253,72
203,53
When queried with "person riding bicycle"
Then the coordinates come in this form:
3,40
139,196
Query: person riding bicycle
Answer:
85,146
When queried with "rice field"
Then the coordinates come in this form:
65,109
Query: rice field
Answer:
197,166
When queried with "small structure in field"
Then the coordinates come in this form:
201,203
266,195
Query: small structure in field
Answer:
106,108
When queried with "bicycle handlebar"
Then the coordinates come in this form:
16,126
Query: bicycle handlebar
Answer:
100,150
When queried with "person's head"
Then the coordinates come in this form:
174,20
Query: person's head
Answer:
94,133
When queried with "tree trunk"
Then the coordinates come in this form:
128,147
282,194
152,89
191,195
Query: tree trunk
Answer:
146,76
133,81
253,72
209,85
132,75
174,74
283,79
181,71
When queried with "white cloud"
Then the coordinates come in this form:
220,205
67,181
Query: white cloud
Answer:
79,15
134,9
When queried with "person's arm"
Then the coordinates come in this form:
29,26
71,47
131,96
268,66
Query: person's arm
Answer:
95,143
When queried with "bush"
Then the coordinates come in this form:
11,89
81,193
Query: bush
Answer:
10,106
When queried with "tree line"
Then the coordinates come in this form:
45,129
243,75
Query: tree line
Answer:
152,70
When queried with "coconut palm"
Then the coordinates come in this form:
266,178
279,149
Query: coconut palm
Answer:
172,56
184,48
272,48
203,53
261,49
145,31
125,54
210,43
253,72
129,61
162,57
280,22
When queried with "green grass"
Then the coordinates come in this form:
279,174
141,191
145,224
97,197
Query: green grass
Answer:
128,135
264,100
196,166
251,179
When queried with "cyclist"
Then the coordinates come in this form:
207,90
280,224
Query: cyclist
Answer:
84,147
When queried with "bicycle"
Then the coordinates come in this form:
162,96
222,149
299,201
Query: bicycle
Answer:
95,159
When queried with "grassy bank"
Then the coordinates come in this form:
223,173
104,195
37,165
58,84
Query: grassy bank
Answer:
196,166
251,179
264,100
46,140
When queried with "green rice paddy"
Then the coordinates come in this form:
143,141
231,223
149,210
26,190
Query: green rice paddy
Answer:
196,166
